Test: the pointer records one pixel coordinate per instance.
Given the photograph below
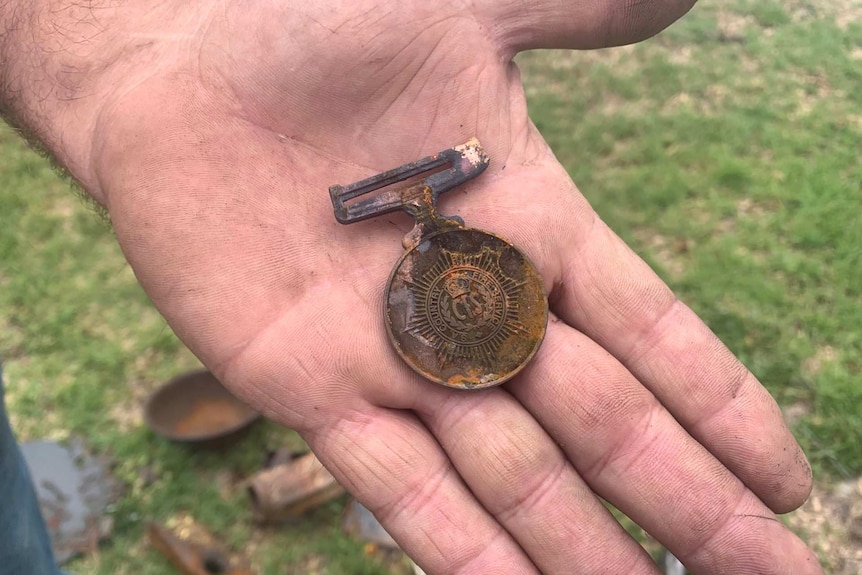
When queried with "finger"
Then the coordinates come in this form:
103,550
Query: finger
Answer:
384,457
611,295
579,24
390,462
605,291
521,477
566,527
632,452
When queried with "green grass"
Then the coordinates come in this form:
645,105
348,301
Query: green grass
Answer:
81,348
725,151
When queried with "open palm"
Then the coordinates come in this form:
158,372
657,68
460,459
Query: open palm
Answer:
214,161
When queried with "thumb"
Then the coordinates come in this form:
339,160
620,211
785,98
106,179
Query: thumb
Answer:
579,24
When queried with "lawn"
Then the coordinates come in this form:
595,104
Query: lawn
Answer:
725,151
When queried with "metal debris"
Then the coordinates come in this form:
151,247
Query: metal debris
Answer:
195,408
287,491
74,490
189,557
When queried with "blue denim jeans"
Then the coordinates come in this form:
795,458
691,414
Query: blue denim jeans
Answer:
24,545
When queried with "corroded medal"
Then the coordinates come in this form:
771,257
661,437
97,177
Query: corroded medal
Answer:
463,307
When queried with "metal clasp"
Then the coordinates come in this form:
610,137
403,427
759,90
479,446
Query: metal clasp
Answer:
419,199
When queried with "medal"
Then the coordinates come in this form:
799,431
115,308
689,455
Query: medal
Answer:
463,307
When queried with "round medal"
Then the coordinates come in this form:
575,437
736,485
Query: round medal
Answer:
463,307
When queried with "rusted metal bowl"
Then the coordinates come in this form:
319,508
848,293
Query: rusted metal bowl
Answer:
195,408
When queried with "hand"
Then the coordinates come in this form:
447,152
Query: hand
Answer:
213,156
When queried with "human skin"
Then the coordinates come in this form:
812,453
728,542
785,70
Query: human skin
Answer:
211,131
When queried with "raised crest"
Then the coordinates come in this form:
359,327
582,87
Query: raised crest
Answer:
465,306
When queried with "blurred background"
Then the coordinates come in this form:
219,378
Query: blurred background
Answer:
725,151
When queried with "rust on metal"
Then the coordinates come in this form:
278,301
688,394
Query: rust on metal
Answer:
195,408
192,557
211,416
464,307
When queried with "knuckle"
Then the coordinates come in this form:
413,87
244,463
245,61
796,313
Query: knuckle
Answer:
529,490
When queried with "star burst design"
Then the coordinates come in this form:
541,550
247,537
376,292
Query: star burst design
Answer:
465,306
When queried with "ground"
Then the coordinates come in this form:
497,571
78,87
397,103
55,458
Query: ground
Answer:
725,151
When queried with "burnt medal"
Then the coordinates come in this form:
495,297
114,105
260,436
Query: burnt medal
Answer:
463,307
